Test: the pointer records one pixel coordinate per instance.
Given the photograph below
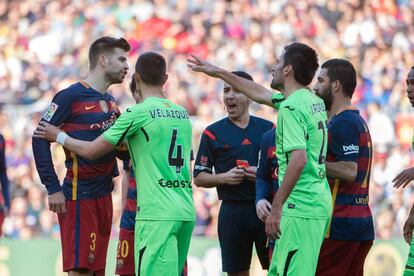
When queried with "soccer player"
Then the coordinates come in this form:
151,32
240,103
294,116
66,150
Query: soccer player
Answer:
125,264
5,202
231,146
348,167
158,134
402,180
301,135
84,202
267,180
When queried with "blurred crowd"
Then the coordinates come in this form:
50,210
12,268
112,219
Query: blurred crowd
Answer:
44,46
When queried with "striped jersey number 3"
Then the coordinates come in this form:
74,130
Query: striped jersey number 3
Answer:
177,161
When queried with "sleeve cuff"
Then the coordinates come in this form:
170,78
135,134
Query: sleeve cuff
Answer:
52,189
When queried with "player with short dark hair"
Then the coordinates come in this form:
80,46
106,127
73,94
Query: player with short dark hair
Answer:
4,180
84,202
402,180
348,165
304,196
158,134
231,146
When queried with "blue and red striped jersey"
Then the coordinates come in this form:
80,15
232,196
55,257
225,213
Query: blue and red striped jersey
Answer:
349,140
267,172
130,209
4,180
224,144
85,114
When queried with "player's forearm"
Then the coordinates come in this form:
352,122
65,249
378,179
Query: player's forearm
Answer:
343,170
89,149
208,180
44,165
252,90
293,171
125,185
263,188
81,148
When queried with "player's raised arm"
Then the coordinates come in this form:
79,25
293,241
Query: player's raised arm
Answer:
87,149
254,91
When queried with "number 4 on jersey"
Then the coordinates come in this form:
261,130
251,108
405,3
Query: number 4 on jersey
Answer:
178,161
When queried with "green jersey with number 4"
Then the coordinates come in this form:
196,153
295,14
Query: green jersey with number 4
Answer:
302,125
158,134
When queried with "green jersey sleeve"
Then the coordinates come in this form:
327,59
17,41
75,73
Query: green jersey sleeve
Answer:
294,128
277,99
126,125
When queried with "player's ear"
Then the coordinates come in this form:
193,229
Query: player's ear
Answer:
336,86
287,69
165,79
103,60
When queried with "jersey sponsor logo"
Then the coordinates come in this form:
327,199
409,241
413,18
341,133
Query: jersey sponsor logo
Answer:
317,108
361,200
89,107
162,113
174,183
50,112
350,149
290,108
103,125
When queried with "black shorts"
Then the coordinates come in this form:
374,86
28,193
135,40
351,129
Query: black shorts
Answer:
238,228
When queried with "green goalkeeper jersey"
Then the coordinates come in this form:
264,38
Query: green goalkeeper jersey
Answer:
302,125
158,134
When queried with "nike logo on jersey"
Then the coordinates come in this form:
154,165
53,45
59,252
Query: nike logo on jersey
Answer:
290,108
89,107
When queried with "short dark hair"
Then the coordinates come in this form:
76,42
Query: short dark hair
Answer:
103,45
133,84
304,61
343,71
151,68
243,75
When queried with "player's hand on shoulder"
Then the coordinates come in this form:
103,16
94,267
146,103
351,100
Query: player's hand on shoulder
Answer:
250,173
57,203
404,178
47,131
263,208
234,176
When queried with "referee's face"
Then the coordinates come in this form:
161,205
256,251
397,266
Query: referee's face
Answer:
236,103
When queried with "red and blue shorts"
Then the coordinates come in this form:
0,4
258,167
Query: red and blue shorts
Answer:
85,231
125,253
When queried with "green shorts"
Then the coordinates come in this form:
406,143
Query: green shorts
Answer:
297,251
161,247
409,266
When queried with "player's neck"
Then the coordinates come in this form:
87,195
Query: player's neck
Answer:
97,82
290,87
152,91
241,121
339,106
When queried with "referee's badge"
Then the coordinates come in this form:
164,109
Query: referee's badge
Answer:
104,106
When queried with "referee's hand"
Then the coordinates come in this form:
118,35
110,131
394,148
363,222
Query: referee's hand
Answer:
234,176
273,231
263,208
57,203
